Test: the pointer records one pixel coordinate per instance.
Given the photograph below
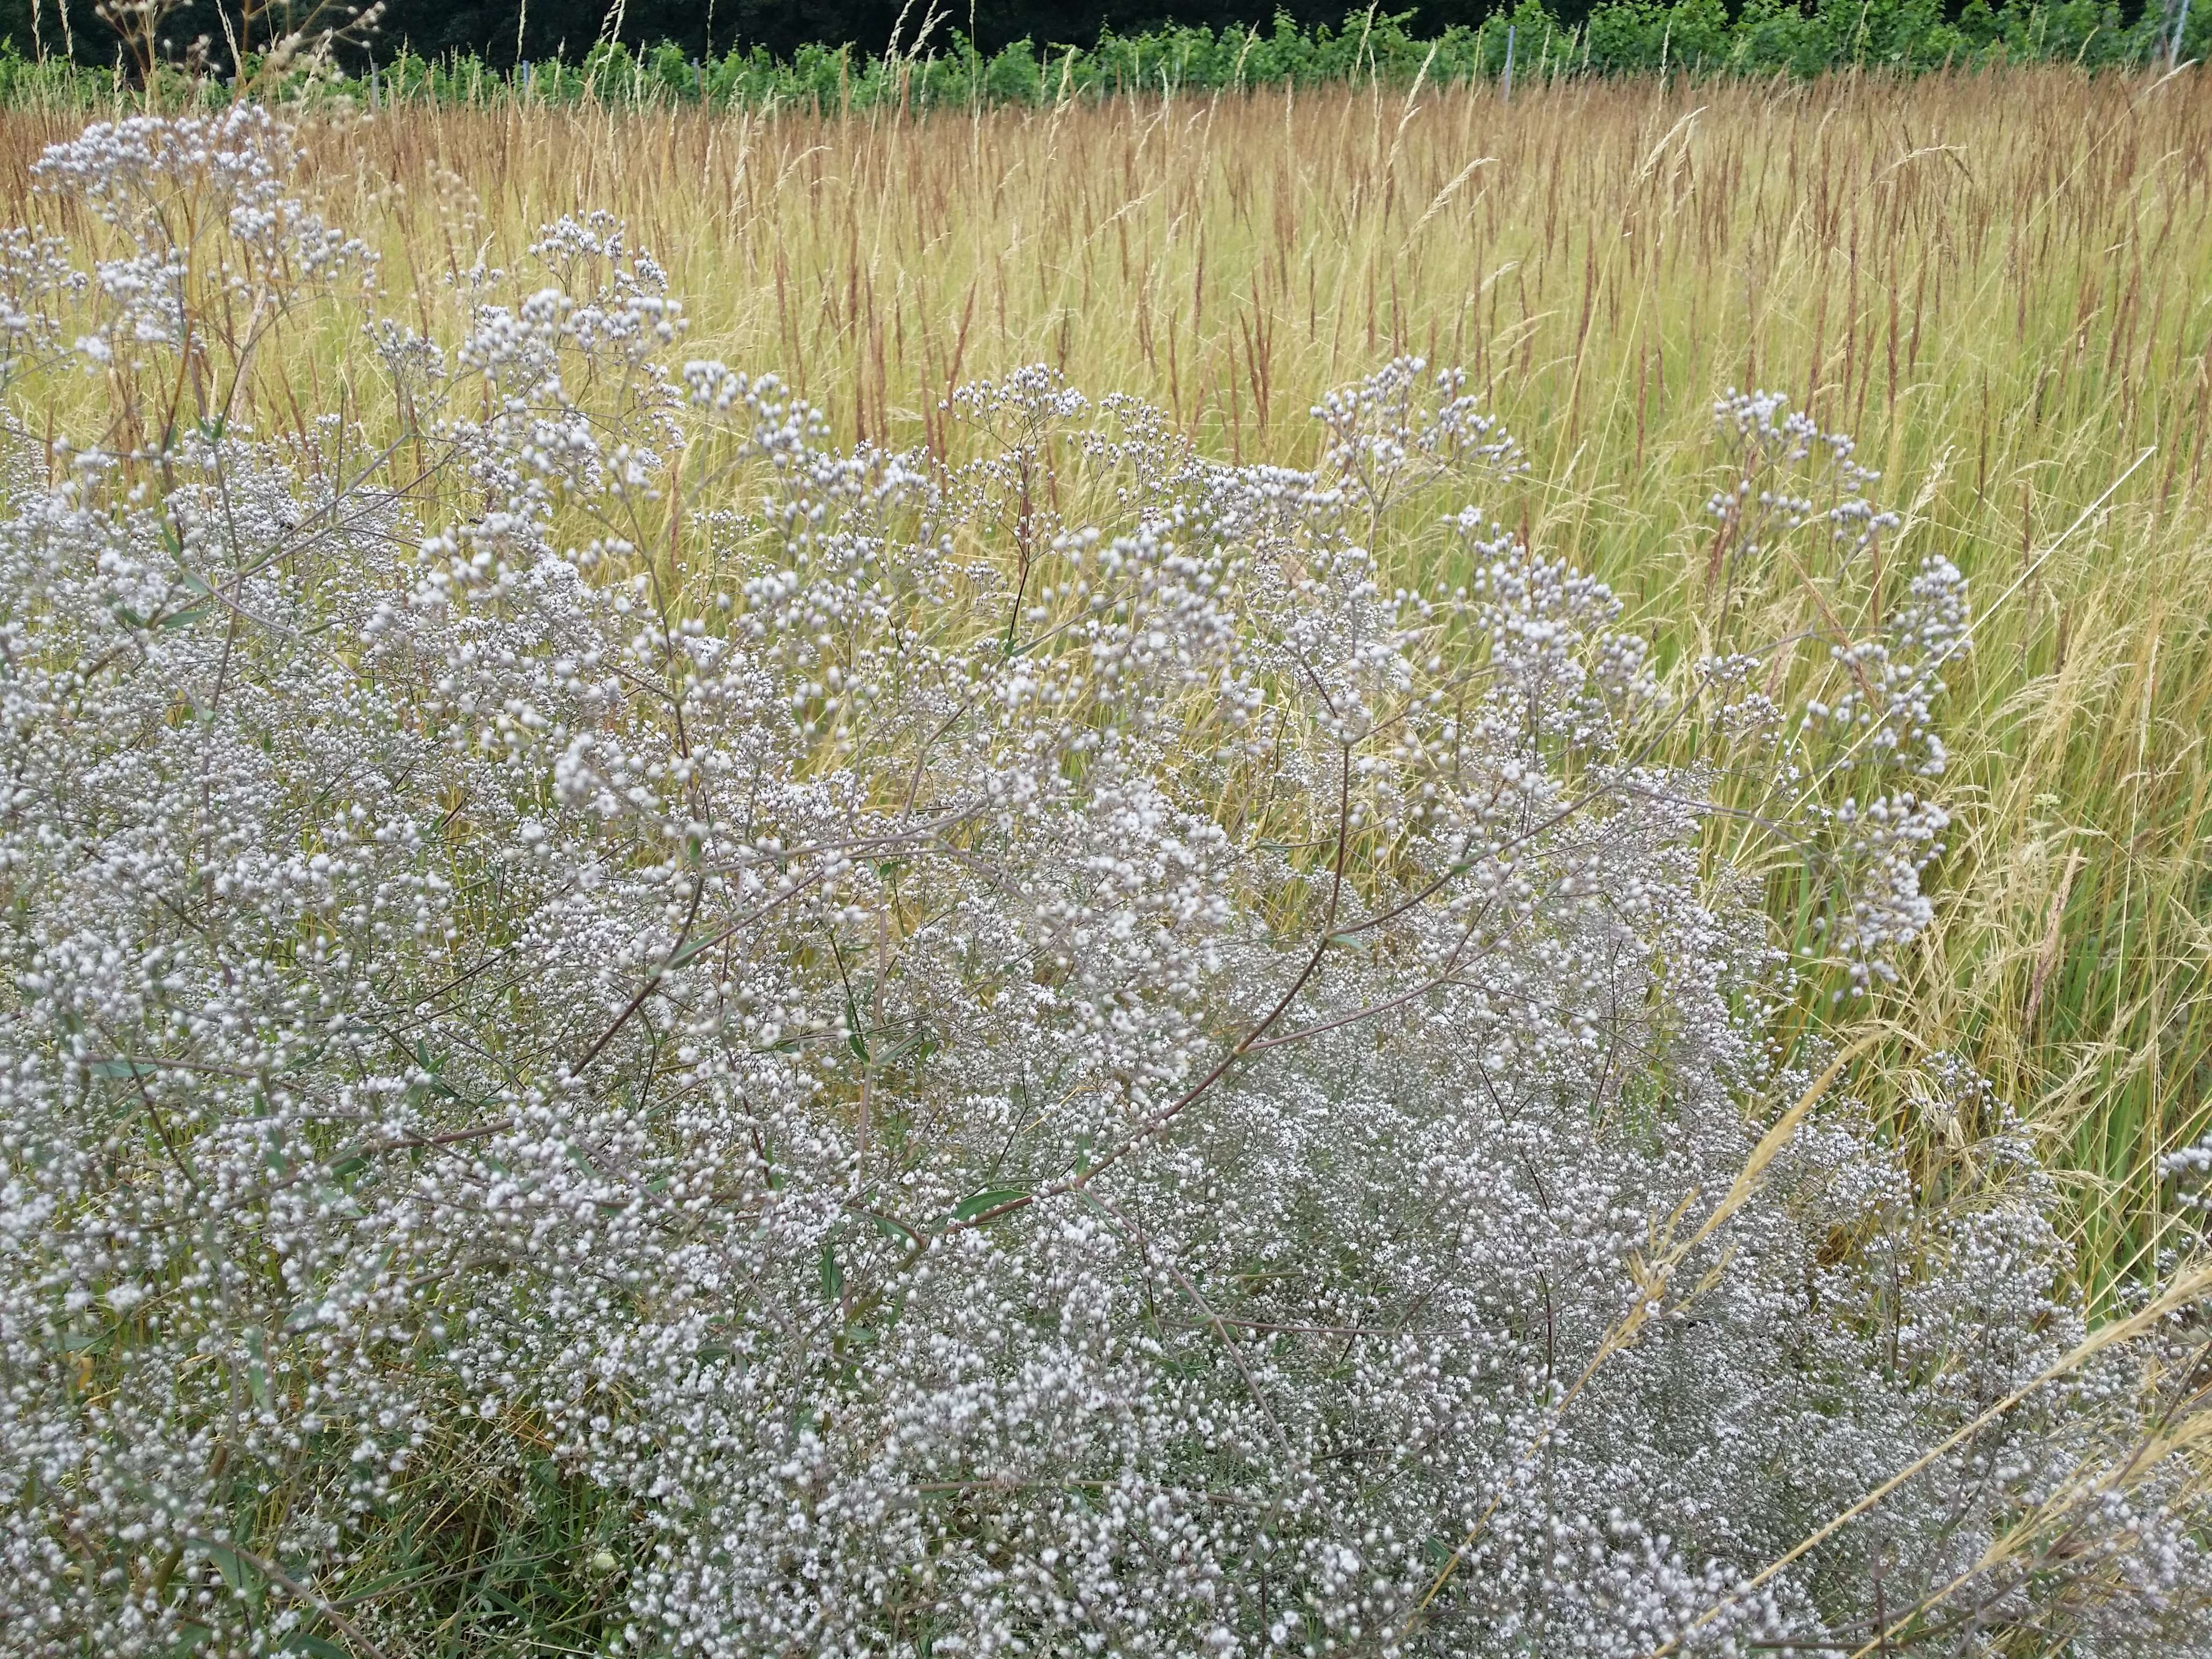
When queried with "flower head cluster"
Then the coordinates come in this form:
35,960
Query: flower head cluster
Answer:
1026,1056
1779,452
1401,425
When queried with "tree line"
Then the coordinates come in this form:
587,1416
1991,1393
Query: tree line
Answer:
848,51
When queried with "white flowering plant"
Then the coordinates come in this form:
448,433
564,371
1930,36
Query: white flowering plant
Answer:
630,1030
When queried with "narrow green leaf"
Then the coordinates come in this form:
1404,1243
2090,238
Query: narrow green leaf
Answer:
697,947
257,1369
237,1572
989,1199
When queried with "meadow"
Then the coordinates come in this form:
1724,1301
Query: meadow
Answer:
1999,282
1995,281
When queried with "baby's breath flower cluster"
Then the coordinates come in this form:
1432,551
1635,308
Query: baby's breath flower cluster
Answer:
1024,1056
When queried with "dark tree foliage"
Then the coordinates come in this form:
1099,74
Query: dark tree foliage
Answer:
569,27
498,32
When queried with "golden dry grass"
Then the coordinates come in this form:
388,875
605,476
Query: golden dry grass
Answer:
2001,283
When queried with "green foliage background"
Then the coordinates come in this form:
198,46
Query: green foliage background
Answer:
946,67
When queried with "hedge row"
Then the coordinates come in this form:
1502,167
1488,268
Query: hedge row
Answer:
1693,37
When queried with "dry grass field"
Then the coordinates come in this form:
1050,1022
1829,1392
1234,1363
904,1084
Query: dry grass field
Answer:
2001,284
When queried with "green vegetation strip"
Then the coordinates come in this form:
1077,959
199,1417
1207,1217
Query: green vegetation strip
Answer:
1528,44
